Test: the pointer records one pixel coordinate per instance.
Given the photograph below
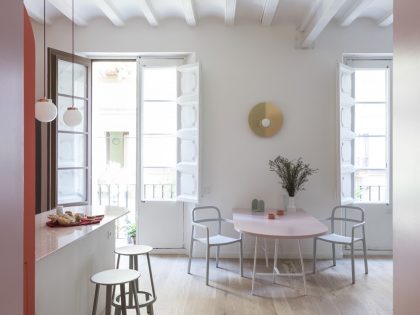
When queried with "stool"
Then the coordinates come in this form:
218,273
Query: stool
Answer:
111,278
133,251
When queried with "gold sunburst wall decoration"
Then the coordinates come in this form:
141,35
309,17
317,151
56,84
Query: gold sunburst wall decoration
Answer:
265,119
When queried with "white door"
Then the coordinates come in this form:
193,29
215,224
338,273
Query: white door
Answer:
168,150
346,130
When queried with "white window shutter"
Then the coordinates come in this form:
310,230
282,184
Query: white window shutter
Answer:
188,133
347,134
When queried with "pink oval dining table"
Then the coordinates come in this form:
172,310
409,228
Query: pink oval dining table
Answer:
296,225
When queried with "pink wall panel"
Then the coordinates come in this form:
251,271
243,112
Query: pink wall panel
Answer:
11,157
406,154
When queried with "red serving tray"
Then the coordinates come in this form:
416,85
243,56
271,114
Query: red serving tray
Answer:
97,219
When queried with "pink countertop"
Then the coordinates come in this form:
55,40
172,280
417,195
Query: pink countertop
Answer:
48,239
292,225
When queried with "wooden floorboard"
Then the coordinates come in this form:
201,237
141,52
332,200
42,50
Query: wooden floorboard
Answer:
330,291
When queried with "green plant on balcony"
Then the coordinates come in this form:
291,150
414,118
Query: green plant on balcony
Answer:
131,233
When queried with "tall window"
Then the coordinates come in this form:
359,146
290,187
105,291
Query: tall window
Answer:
159,126
372,103
68,155
365,133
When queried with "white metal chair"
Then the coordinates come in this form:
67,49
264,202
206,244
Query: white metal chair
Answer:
214,240
334,238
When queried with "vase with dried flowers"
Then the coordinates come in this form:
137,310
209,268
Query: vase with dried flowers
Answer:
293,176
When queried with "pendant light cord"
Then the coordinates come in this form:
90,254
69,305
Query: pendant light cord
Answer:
45,92
72,50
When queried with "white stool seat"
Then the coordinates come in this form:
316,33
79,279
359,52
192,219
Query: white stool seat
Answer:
336,238
115,276
133,250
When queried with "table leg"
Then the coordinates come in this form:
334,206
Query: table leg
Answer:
95,301
303,267
136,299
108,300
265,253
276,243
118,266
123,301
151,276
136,266
130,296
255,265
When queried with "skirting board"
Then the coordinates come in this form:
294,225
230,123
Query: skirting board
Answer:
170,251
283,255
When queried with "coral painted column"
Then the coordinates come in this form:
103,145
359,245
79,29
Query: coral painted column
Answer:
29,167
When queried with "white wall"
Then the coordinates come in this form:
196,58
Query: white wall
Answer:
406,157
244,65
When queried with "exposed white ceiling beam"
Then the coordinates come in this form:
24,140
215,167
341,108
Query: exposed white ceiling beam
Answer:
387,20
270,9
189,12
354,12
323,15
309,15
148,13
64,6
35,15
109,10
230,12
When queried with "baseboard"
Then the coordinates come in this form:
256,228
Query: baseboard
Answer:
235,255
370,252
199,252
170,251
283,255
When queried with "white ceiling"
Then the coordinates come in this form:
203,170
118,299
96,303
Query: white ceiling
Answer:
308,16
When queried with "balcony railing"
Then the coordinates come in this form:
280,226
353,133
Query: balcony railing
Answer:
371,193
116,194
124,194
159,191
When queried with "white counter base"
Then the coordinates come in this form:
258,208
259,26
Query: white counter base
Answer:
67,257
62,284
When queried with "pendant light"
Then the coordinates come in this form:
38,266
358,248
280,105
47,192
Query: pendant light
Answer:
72,116
45,110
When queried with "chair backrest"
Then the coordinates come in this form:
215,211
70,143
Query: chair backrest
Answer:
351,214
216,218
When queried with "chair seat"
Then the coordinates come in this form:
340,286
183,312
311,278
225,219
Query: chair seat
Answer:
132,250
336,238
218,240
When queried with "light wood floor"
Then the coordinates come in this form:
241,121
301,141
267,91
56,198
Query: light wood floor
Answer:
330,291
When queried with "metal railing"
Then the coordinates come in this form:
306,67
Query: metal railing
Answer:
372,191
159,191
124,194
116,194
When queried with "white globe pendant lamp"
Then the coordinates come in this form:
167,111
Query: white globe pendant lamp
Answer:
72,116
45,109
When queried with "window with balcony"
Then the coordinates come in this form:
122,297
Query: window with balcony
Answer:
365,133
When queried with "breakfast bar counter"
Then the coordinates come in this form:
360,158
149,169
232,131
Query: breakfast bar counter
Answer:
48,239
66,258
